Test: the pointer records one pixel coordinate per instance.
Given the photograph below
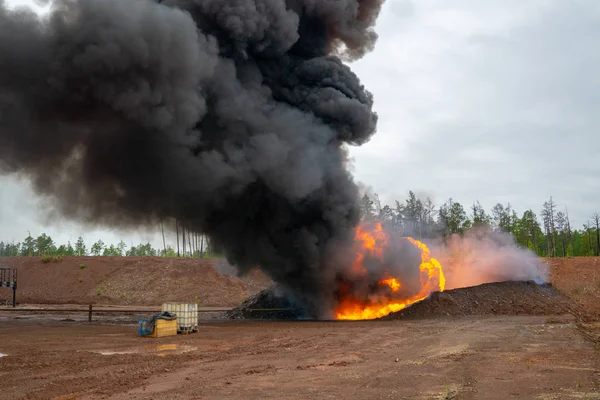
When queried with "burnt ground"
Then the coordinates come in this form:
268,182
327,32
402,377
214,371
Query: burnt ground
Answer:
478,358
270,303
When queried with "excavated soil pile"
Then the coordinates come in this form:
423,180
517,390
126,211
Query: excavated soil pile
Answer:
271,298
503,298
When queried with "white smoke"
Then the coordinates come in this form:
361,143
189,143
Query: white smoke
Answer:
485,256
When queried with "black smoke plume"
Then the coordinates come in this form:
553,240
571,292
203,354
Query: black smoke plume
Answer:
231,115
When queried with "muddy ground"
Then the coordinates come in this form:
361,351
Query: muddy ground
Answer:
483,358
457,356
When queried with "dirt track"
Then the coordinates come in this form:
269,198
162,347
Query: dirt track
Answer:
487,358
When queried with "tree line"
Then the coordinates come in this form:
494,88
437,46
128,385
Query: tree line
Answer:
188,245
549,235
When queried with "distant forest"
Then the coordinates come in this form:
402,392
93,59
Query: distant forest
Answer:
189,244
549,235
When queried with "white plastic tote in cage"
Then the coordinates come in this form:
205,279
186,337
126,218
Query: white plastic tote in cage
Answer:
187,315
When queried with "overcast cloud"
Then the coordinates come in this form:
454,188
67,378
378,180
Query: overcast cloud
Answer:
490,100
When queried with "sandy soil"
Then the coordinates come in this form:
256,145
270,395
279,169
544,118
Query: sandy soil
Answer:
519,357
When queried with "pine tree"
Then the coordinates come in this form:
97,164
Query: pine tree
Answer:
80,248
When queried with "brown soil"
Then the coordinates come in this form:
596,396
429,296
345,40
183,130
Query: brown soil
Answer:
130,281
483,358
579,279
504,298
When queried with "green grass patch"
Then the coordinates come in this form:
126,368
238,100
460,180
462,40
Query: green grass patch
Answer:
99,290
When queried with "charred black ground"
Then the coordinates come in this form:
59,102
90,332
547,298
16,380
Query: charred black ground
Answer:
229,115
272,304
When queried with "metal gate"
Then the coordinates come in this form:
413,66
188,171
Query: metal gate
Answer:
8,278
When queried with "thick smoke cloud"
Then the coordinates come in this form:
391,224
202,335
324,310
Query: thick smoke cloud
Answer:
229,115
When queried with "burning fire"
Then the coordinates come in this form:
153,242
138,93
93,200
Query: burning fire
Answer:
373,243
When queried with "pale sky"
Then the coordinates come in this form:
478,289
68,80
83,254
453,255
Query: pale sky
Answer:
492,100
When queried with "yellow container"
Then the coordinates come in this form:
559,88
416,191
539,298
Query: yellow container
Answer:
164,327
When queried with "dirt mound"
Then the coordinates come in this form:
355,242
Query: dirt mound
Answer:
130,281
503,298
578,278
271,298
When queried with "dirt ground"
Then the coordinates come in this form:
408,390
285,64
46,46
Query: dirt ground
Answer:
130,281
483,358
578,278
459,356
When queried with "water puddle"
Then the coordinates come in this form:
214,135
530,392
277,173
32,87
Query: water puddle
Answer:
111,353
159,350
3,355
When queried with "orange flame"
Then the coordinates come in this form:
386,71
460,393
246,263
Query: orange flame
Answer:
392,283
374,242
